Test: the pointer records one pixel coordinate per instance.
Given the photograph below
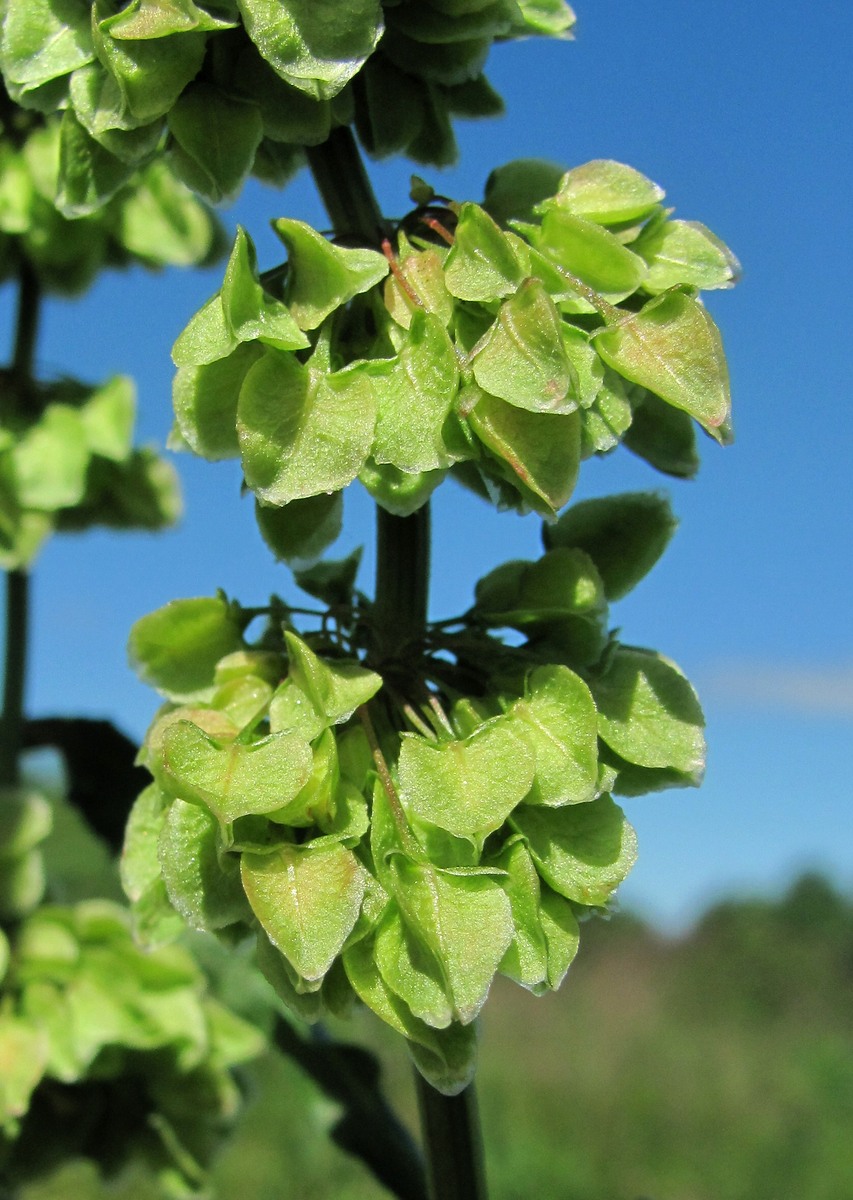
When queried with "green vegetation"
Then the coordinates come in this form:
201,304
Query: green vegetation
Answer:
718,1066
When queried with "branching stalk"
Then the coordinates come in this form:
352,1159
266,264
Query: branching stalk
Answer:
451,1132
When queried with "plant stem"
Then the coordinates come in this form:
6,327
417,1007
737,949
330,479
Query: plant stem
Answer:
12,721
451,1131
453,1144
17,581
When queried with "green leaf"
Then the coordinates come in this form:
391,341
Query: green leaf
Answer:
514,190
235,780
607,192
541,449
50,460
664,436
155,922
22,884
24,1050
251,312
314,804
332,581
465,920
151,73
399,492
414,396
583,851
143,19
335,689
557,718
142,493
315,45
526,959
298,533
553,18
609,416
523,360
481,264
202,880
207,337
321,276
43,40
412,971
685,252
448,64
89,175
244,700
108,418
562,934
289,115
446,1057
520,594
469,786
592,254
418,282
26,819
215,139
673,348
205,402
624,536
176,648
649,713
301,430
308,899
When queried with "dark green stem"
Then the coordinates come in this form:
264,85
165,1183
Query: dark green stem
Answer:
12,721
17,582
451,1131
453,1144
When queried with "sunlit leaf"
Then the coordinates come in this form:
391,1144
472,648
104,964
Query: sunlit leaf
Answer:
176,648
321,276
307,898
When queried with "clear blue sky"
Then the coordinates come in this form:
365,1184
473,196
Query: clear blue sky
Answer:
742,112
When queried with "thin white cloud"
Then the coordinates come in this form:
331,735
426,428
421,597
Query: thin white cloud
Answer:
807,689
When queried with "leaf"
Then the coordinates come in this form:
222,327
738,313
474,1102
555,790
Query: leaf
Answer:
332,581
481,264
513,190
624,535
418,274
43,40
50,460
298,533
523,360
673,348
315,802
414,396
308,899
468,786
215,139
520,594
412,971
108,417
251,313
664,436
26,819
205,402
562,934
399,492
176,648
685,252
465,920
302,431
315,45
235,780
583,851
89,175
206,338
592,254
649,713
446,1057
24,1050
22,885
526,959
202,881
541,449
335,689
143,19
150,73
321,276
607,192
559,720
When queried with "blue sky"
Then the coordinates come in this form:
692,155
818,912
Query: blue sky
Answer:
742,113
